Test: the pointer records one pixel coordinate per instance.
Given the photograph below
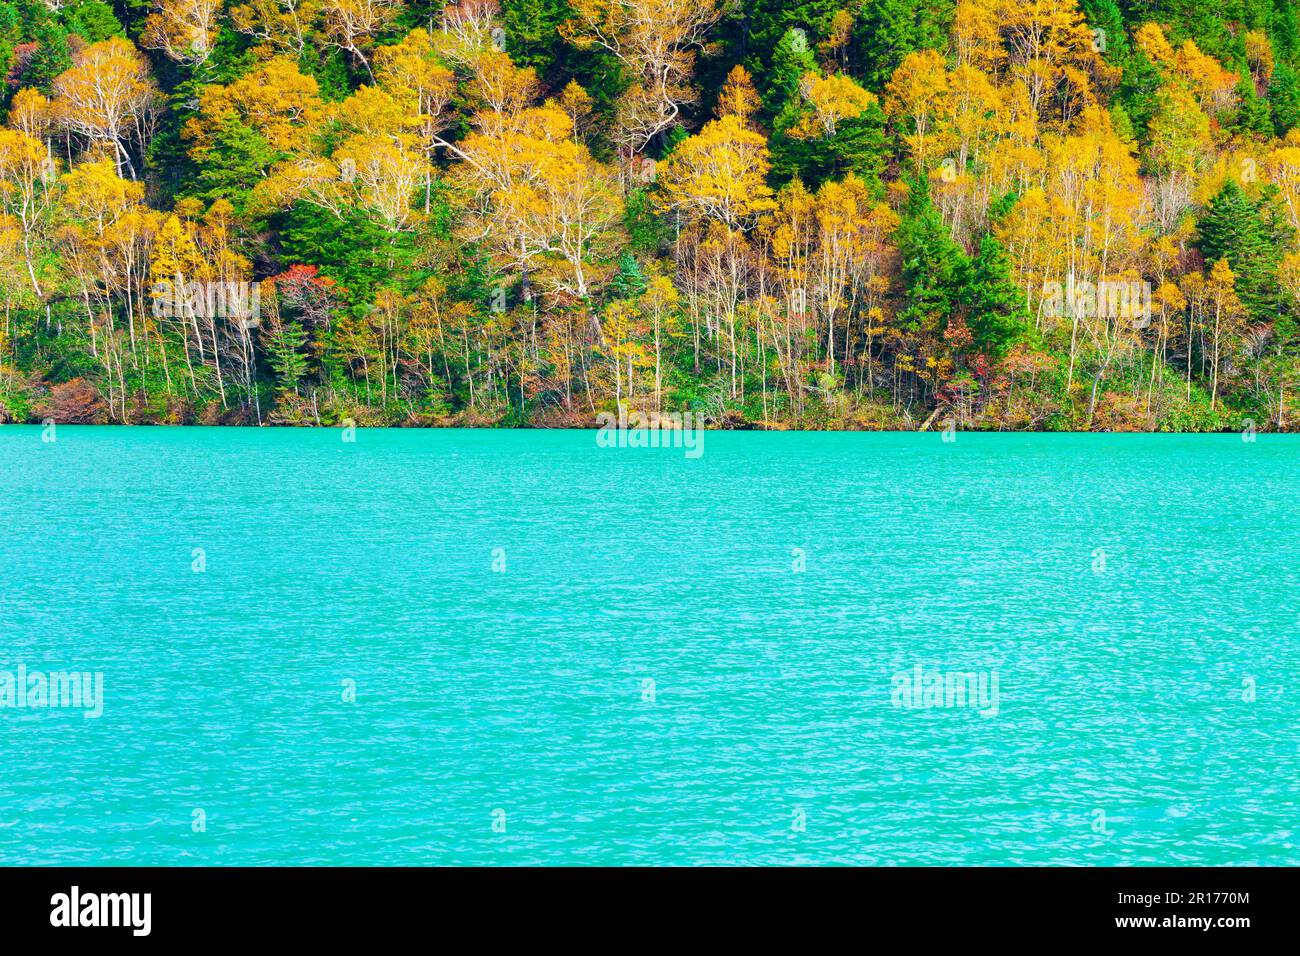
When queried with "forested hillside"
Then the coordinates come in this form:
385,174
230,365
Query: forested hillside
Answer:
1011,214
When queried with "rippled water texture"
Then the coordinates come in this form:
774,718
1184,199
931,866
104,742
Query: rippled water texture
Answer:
1135,596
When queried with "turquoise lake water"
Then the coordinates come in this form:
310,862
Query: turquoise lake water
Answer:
498,603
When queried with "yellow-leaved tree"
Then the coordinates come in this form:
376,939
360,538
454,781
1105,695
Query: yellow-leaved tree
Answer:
185,30
109,100
656,41
718,175
275,100
26,175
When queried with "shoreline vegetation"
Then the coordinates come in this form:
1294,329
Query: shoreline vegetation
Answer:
1247,433
860,215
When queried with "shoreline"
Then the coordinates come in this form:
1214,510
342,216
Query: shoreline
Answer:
595,428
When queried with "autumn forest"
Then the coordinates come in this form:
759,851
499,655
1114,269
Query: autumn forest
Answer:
857,214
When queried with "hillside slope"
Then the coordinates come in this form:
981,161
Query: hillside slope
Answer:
1006,214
